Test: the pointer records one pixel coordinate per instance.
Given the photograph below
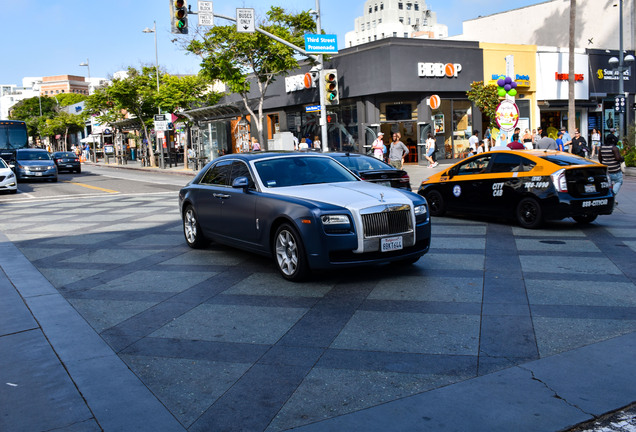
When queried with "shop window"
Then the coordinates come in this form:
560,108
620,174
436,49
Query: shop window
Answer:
399,112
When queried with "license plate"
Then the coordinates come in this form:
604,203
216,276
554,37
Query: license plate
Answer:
391,243
384,183
69,166
38,174
590,188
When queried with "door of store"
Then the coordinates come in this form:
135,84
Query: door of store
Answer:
408,135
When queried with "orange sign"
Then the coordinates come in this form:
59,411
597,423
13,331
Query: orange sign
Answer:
434,101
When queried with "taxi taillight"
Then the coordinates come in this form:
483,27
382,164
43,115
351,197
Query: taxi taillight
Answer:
559,181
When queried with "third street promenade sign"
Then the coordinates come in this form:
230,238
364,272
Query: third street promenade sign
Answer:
321,43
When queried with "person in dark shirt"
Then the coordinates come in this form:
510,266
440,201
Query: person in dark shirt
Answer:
516,145
579,145
610,155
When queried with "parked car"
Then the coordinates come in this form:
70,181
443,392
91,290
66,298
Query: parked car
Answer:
67,161
529,185
34,164
8,181
374,170
305,210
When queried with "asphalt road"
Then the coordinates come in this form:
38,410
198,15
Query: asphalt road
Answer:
224,343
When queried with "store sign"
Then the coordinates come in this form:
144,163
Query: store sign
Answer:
565,77
438,70
612,74
298,82
507,115
521,79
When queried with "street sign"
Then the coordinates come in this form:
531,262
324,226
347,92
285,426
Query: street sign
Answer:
321,43
245,20
161,117
312,108
161,125
206,15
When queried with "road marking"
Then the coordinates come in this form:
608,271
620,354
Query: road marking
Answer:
92,187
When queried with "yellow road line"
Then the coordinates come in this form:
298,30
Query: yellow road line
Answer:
92,187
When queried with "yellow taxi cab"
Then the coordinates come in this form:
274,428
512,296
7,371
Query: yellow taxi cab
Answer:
531,186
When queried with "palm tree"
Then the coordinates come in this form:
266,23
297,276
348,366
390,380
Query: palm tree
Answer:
571,108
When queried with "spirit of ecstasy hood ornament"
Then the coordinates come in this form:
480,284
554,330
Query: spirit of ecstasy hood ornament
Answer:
381,197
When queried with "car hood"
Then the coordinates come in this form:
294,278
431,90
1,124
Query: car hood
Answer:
351,195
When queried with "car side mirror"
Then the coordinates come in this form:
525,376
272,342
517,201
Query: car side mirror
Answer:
241,183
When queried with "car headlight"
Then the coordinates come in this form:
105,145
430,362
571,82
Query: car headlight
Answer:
335,219
420,210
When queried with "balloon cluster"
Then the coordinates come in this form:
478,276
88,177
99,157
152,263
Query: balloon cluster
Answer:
506,86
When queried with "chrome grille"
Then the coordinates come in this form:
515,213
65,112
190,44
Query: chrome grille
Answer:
386,222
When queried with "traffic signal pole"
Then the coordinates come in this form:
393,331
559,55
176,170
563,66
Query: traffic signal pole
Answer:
322,90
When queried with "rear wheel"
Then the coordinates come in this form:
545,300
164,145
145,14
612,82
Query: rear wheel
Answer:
192,230
436,203
585,219
529,214
290,254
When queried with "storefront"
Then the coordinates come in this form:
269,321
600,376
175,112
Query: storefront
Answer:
604,89
552,89
520,63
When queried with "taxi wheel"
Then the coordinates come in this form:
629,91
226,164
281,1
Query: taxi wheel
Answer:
529,213
585,219
436,204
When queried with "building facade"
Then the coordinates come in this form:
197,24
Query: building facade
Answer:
395,18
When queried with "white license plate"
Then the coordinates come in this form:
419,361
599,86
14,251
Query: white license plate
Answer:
590,188
384,183
38,174
391,243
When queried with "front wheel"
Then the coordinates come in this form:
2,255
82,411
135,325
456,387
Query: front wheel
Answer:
192,230
585,219
529,213
436,203
290,254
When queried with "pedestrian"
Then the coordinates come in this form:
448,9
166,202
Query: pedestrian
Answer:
430,149
546,143
303,146
256,146
487,134
515,135
317,143
397,152
567,139
378,147
295,139
516,144
536,136
527,139
308,141
579,145
596,142
559,141
610,155
473,141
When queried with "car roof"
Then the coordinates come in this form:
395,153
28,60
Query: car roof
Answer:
346,154
539,154
253,156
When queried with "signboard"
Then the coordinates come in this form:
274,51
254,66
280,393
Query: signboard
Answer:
312,108
245,20
321,43
507,115
161,122
434,101
206,15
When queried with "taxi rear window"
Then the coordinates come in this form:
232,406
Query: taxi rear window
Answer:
565,160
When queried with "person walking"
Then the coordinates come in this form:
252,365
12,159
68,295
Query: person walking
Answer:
536,136
378,147
256,146
430,149
527,140
317,144
546,143
579,145
610,155
559,141
473,141
596,142
397,152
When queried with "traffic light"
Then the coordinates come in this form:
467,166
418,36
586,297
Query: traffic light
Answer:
179,16
330,81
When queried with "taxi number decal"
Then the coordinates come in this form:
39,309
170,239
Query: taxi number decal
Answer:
536,178
497,189
457,191
538,185
594,203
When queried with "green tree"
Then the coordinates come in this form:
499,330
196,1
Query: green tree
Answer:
485,97
28,110
63,123
185,92
241,59
66,99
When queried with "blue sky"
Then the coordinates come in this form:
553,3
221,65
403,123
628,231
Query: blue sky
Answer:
52,37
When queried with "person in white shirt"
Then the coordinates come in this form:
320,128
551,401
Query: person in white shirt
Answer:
430,149
378,147
473,141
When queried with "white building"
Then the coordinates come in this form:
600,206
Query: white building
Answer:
547,23
395,18
10,95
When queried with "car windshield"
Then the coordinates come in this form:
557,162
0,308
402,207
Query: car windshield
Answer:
3,164
295,171
33,155
362,163
566,160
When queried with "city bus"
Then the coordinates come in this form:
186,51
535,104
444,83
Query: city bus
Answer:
13,136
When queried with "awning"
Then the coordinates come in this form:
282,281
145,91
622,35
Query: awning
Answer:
215,112
90,138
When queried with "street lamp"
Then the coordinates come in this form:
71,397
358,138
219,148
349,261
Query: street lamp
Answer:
619,65
89,74
154,30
